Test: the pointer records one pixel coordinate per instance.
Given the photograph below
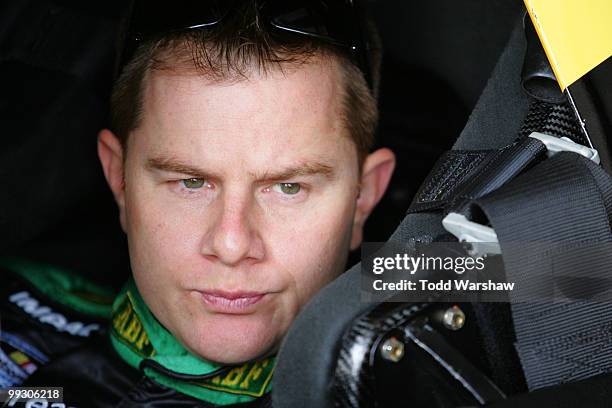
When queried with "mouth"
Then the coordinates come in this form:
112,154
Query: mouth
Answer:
232,302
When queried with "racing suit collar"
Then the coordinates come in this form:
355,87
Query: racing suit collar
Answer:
142,342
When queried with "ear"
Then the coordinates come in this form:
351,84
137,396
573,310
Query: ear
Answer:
110,153
375,176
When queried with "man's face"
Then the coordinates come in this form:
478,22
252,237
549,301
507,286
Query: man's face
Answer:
239,203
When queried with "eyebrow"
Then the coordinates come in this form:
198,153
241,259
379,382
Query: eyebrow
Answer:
303,169
169,164
300,170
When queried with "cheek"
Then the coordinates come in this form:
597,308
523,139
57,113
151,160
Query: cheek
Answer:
159,237
318,253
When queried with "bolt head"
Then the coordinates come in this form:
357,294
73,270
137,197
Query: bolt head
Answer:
392,349
454,318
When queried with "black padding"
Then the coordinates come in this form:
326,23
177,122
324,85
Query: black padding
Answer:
498,116
308,356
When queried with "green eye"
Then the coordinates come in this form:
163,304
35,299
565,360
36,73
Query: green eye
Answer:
193,183
288,188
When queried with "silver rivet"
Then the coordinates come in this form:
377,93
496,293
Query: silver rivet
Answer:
454,318
392,349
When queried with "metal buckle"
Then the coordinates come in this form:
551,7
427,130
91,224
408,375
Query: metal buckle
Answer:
555,145
483,239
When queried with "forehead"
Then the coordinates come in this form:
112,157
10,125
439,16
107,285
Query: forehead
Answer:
298,108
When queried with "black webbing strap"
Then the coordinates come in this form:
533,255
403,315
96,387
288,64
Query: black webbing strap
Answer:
451,170
454,175
460,176
553,226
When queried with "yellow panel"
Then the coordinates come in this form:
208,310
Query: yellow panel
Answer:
576,34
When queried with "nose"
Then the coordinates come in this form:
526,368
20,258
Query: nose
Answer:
234,238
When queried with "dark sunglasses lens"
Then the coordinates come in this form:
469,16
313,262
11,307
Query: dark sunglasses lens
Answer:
328,20
150,18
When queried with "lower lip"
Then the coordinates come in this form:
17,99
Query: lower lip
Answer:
221,304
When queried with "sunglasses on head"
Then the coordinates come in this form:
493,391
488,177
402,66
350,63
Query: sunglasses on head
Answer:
336,22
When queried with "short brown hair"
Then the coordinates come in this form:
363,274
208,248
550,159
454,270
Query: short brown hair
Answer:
226,52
